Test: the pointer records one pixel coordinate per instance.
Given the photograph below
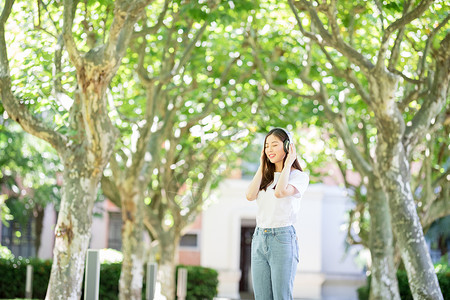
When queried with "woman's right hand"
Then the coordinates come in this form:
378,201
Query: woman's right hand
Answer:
261,160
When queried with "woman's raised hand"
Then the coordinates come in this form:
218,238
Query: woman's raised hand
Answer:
261,160
291,156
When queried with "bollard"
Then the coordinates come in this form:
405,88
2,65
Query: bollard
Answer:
182,283
151,280
29,282
92,275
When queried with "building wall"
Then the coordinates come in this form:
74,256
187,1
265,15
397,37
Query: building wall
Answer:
191,255
100,233
48,233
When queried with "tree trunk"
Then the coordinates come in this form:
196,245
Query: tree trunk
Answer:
73,231
408,231
84,159
384,283
39,219
166,272
131,276
394,173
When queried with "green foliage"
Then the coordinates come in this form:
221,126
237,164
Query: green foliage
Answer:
5,212
442,272
202,282
363,292
5,253
28,170
13,277
109,279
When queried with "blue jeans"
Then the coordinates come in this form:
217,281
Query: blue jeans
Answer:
274,262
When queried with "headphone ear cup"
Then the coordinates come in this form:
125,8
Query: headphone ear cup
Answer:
286,146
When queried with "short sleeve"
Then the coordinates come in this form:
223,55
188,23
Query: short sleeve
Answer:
300,181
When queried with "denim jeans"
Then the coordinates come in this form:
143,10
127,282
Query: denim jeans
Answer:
274,262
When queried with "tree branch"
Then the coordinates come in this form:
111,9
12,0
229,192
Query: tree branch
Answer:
121,30
413,95
334,41
407,18
366,142
5,14
167,63
267,75
39,26
188,51
349,76
434,101
146,80
207,171
154,29
438,209
340,125
60,96
398,24
395,52
380,10
16,110
307,34
406,78
422,62
69,42
332,15
110,190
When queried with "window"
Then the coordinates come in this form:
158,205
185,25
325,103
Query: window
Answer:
190,240
115,231
19,238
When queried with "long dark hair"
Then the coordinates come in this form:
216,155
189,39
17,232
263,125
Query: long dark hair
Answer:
268,168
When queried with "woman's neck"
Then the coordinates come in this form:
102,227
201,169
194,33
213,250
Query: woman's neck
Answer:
279,166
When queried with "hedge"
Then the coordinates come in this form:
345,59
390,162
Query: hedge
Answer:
443,275
202,282
13,276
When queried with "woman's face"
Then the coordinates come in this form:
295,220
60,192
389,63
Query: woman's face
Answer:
274,149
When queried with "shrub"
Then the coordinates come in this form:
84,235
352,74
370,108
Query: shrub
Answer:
109,280
364,291
202,282
13,278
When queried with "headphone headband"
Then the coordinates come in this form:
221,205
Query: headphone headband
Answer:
289,135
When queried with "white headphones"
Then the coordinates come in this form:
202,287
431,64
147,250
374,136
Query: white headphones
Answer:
287,142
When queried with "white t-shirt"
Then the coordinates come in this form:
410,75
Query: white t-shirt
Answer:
276,212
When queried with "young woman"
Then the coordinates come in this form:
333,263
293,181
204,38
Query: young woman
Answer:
277,188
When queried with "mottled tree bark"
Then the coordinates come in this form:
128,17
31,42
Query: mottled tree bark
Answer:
126,191
166,273
384,283
73,232
394,173
83,166
406,225
131,276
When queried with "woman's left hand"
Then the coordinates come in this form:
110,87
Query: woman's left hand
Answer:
291,156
